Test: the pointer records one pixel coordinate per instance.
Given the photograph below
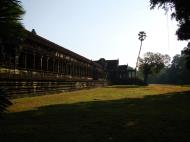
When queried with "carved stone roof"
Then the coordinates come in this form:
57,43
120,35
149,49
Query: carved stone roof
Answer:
49,44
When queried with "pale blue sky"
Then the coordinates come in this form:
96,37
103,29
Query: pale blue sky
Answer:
103,28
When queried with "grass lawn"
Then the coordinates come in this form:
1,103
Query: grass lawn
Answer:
154,113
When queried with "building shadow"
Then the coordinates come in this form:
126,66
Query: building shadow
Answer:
159,118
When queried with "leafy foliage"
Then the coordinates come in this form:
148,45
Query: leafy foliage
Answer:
180,11
11,31
176,73
152,63
4,100
11,28
186,52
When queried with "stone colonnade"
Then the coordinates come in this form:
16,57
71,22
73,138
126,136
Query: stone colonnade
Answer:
40,55
65,65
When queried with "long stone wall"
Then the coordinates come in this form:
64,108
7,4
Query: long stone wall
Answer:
18,89
38,65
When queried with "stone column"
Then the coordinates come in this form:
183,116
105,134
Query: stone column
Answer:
25,60
41,63
73,69
47,61
34,61
53,65
16,60
86,70
58,66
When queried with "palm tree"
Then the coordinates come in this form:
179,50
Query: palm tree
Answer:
142,36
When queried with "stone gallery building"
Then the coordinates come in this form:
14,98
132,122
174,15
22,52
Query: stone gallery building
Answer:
117,74
38,65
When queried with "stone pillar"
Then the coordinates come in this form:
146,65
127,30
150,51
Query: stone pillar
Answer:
79,70
53,65
58,66
70,67
86,70
41,62
64,67
25,60
34,61
73,69
47,61
16,60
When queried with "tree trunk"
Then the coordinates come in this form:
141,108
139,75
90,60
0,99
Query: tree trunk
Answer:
146,78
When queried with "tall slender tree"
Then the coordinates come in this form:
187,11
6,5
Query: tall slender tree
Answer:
142,36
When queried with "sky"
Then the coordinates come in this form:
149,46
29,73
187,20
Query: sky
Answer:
103,28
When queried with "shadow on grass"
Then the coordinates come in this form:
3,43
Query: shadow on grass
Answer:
161,118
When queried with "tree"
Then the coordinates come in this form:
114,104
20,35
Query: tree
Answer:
186,53
152,63
142,36
4,101
11,33
11,28
178,72
180,11
175,73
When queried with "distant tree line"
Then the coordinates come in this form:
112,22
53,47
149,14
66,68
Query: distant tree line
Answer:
175,73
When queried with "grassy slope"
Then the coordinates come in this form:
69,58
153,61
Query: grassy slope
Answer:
122,113
97,94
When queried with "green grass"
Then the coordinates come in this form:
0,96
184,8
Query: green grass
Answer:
155,113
